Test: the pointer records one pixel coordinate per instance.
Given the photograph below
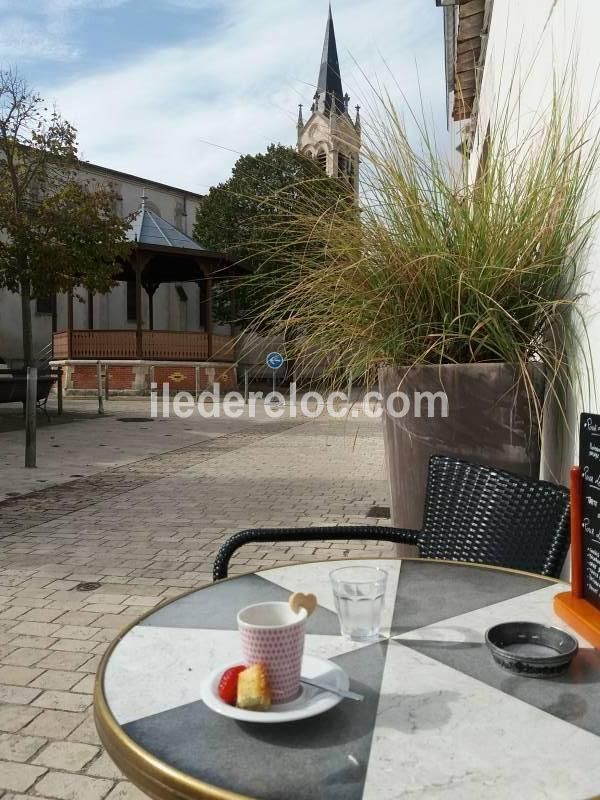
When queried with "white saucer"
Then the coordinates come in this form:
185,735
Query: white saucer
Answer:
310,702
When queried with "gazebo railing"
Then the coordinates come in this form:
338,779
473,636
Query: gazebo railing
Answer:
155,345
175,345
223,348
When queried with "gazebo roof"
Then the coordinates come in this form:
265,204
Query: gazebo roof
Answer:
148,228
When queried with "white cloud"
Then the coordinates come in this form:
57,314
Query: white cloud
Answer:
195,4
43,29
26,40
241,88
62,6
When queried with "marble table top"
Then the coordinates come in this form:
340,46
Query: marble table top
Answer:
440,719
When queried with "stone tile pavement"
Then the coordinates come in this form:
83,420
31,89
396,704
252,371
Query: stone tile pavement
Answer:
144,523
110,440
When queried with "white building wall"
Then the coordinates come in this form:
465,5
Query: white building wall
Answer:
531,44
11,340
110,311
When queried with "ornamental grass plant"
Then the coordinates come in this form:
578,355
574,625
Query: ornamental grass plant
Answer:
430,268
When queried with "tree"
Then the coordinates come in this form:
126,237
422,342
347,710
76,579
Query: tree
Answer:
56,232
238,217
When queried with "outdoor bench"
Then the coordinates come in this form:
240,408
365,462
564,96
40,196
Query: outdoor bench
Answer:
13,389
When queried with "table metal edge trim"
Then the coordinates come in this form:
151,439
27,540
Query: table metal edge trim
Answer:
154,776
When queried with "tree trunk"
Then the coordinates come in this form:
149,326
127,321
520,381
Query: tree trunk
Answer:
26,325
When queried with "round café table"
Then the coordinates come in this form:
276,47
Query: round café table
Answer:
439,720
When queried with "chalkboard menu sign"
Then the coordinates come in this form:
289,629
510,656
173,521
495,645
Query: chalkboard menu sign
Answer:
589,463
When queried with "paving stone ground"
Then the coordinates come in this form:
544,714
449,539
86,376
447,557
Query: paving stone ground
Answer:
141,508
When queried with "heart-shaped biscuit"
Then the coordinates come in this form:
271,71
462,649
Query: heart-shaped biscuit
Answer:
300,600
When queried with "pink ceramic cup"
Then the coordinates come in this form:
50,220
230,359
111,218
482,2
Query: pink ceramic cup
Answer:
273,635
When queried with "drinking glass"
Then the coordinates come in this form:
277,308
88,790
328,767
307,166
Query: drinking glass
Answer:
359,593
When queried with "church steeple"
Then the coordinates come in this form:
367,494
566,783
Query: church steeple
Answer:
330,136
329,87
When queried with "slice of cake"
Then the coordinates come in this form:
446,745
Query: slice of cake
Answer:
253,692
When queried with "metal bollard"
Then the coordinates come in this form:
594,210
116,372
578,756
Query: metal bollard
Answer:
100,398
30,417
59,397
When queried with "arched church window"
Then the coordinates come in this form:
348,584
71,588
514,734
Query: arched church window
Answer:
351,168
342,165
322,159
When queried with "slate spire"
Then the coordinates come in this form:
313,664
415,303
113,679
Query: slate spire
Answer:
329,87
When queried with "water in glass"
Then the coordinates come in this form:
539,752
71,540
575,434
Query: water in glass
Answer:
359,597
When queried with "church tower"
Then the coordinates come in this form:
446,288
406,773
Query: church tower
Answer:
330,135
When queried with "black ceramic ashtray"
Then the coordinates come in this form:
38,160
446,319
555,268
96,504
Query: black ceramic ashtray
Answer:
530,649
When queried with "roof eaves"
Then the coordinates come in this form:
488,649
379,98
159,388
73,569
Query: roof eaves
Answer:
469,27
144,181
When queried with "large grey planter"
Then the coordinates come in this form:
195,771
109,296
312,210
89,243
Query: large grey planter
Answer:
489,421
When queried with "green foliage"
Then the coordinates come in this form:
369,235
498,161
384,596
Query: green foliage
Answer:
439,270
236,218
55,231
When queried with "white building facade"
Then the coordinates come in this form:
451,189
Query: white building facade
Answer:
511,54
176,308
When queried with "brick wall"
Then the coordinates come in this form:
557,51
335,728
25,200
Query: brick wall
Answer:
181,378
85,377
120,378
224,376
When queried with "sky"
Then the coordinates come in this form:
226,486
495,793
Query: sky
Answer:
175,90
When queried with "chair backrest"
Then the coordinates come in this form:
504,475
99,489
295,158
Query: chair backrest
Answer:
44,386
7,389
488,516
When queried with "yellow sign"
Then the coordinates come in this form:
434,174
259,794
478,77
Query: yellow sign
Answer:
177,377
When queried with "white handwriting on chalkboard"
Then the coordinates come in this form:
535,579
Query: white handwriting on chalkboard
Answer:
589,459
588,527
590,479
592,582
592,571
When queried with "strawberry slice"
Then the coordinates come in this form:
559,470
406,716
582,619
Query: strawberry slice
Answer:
228,684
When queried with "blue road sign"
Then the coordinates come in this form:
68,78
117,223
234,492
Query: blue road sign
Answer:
275,361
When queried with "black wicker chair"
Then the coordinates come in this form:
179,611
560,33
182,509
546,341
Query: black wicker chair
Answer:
472,513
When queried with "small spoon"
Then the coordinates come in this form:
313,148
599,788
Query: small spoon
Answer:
340,692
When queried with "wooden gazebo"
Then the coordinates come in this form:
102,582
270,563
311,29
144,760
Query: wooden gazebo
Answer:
160,254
